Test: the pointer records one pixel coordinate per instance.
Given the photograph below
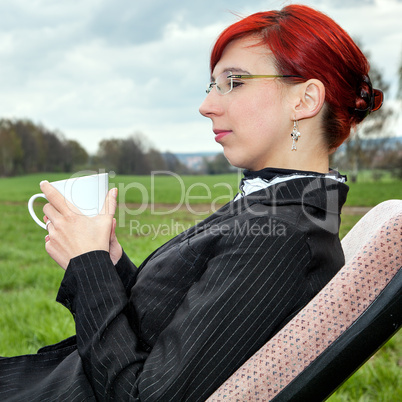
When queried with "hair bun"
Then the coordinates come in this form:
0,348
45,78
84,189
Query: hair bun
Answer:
368,99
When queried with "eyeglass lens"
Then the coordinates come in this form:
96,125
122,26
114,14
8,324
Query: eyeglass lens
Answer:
222,83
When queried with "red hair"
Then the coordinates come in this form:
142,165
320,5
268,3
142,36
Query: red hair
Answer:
308,43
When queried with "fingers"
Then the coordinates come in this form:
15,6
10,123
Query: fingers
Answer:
115,249
51,214
71,234
52,195
113,231
57,200
109,207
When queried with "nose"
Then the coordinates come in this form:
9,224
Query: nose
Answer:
212,104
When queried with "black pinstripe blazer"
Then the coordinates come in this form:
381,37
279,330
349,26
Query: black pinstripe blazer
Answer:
175,328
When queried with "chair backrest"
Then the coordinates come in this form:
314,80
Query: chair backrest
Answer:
354,315
361,233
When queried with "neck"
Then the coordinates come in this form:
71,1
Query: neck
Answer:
299,160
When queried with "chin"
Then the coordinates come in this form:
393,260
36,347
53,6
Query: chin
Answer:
238,165
236,161
242,165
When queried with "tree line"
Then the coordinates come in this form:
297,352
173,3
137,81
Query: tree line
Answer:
26,147
29,148
132,155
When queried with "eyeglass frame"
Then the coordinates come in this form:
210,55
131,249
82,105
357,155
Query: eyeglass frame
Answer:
247,76
373,92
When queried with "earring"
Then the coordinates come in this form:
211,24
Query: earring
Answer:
295,134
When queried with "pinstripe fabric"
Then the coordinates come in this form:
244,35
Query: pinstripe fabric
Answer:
175,328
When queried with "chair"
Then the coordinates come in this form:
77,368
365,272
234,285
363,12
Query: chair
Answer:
361,233
345,324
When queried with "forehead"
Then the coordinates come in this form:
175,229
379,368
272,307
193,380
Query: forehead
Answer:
246,55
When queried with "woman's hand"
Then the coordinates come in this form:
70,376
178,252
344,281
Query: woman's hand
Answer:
115,249
71,233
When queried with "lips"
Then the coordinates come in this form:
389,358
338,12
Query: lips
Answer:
219,134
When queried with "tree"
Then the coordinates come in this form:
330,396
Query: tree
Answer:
29,148
218,165
10,152
399,93
355,151
132,157
77,156
173,164
31,144
108,154
124,156
155,160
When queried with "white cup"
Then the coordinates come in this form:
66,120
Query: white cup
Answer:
87,193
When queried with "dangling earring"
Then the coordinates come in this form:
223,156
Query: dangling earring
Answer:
295,134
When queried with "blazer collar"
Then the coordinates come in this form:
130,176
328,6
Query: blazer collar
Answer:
318,192
258,180
326,192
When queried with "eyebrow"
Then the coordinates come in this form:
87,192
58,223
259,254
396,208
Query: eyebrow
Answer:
236,70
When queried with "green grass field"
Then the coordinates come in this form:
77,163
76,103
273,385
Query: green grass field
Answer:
29,279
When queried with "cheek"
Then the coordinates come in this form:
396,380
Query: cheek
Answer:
248,114
257,121
258,112
266,115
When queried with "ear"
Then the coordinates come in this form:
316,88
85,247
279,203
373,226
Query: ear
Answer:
310,99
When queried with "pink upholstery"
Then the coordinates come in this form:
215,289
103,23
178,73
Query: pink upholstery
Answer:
361,233
345,298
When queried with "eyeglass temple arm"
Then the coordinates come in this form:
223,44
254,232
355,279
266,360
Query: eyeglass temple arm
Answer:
240,76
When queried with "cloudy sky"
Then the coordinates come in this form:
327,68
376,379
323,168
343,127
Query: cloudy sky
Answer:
95,69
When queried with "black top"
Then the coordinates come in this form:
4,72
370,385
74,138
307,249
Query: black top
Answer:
271,173
196,309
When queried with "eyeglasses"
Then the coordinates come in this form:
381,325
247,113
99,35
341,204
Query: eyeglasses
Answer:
226,81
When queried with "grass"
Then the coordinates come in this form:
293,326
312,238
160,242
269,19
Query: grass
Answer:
29,279
378,380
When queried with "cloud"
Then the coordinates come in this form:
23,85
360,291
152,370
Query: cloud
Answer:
120,23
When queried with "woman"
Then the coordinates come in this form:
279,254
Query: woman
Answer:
286,89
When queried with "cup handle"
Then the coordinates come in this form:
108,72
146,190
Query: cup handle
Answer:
32,212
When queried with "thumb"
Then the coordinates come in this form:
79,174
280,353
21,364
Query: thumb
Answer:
109,207
113,230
